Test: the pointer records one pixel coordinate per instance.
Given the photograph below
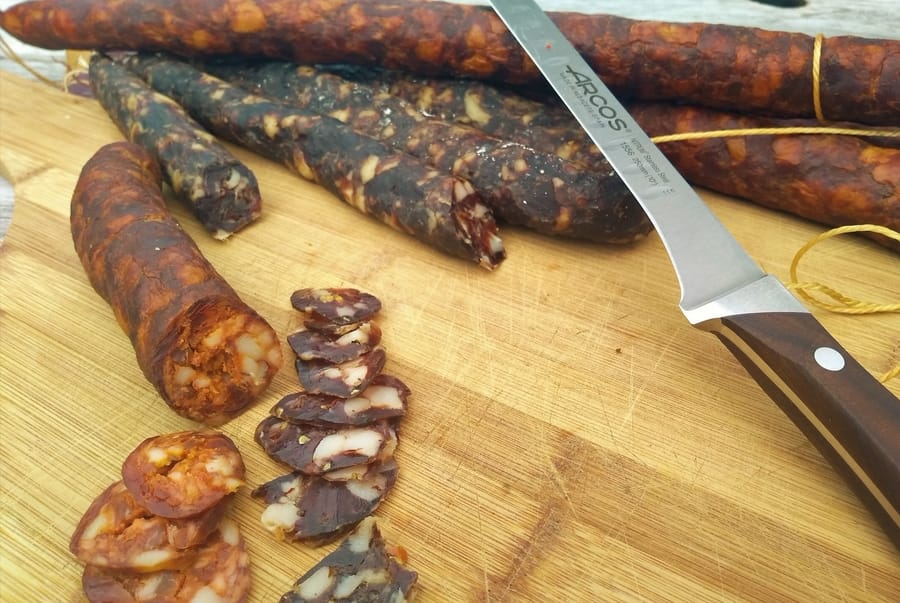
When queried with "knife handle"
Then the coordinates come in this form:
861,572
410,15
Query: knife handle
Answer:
845,412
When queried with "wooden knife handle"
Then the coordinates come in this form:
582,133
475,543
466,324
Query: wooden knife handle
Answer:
843,410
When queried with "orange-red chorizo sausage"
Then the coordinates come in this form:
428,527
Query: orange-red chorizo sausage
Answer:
206,351
719,65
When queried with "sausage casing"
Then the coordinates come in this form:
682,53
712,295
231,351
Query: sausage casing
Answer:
206,351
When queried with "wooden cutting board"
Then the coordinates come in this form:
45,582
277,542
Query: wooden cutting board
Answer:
570,437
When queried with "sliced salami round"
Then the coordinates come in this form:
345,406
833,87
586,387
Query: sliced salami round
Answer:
116,532
361,569
219,572
313,509
184,473
335,306
342,379
317,450
385,398
311,344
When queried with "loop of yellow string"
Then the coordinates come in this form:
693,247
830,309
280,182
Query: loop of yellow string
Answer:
845,304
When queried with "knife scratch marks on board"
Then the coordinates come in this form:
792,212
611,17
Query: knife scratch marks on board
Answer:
638,393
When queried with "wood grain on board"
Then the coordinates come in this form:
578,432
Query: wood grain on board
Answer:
570,437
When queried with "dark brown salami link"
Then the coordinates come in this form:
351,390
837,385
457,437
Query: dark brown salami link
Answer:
523,186
184,473
724,66
315,510
345,379
394,188
117,532
317,450
498,111
318,345
385,398
332,307
220,572
220,190
362,568
206,351
835,180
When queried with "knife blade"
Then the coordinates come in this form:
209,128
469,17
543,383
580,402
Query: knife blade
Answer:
844,411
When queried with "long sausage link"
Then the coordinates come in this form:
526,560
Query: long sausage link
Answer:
522,185
723,66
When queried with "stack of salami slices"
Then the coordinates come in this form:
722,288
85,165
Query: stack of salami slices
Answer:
162,533
339,434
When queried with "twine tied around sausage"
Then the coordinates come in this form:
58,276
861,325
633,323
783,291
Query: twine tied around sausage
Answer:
773,131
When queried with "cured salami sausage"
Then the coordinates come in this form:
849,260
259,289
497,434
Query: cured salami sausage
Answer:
835,180
206,351
314,510
384,398
502,112
362,568
219,572
220,190
728,67
523,186
395,188
318,450
184,473
116,532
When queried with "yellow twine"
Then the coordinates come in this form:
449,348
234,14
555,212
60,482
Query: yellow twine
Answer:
845,304
775,131
816,88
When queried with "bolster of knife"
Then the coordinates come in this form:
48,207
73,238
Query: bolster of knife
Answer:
845,412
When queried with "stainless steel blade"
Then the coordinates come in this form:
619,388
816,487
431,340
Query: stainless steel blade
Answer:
708,261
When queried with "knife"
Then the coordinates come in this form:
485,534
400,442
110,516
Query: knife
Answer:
845,412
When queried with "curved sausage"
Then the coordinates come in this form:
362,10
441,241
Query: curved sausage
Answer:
523,185
184,473
206,351
724,66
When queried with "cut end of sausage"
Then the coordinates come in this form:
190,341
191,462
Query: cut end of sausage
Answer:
221,361
230,200
477,230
